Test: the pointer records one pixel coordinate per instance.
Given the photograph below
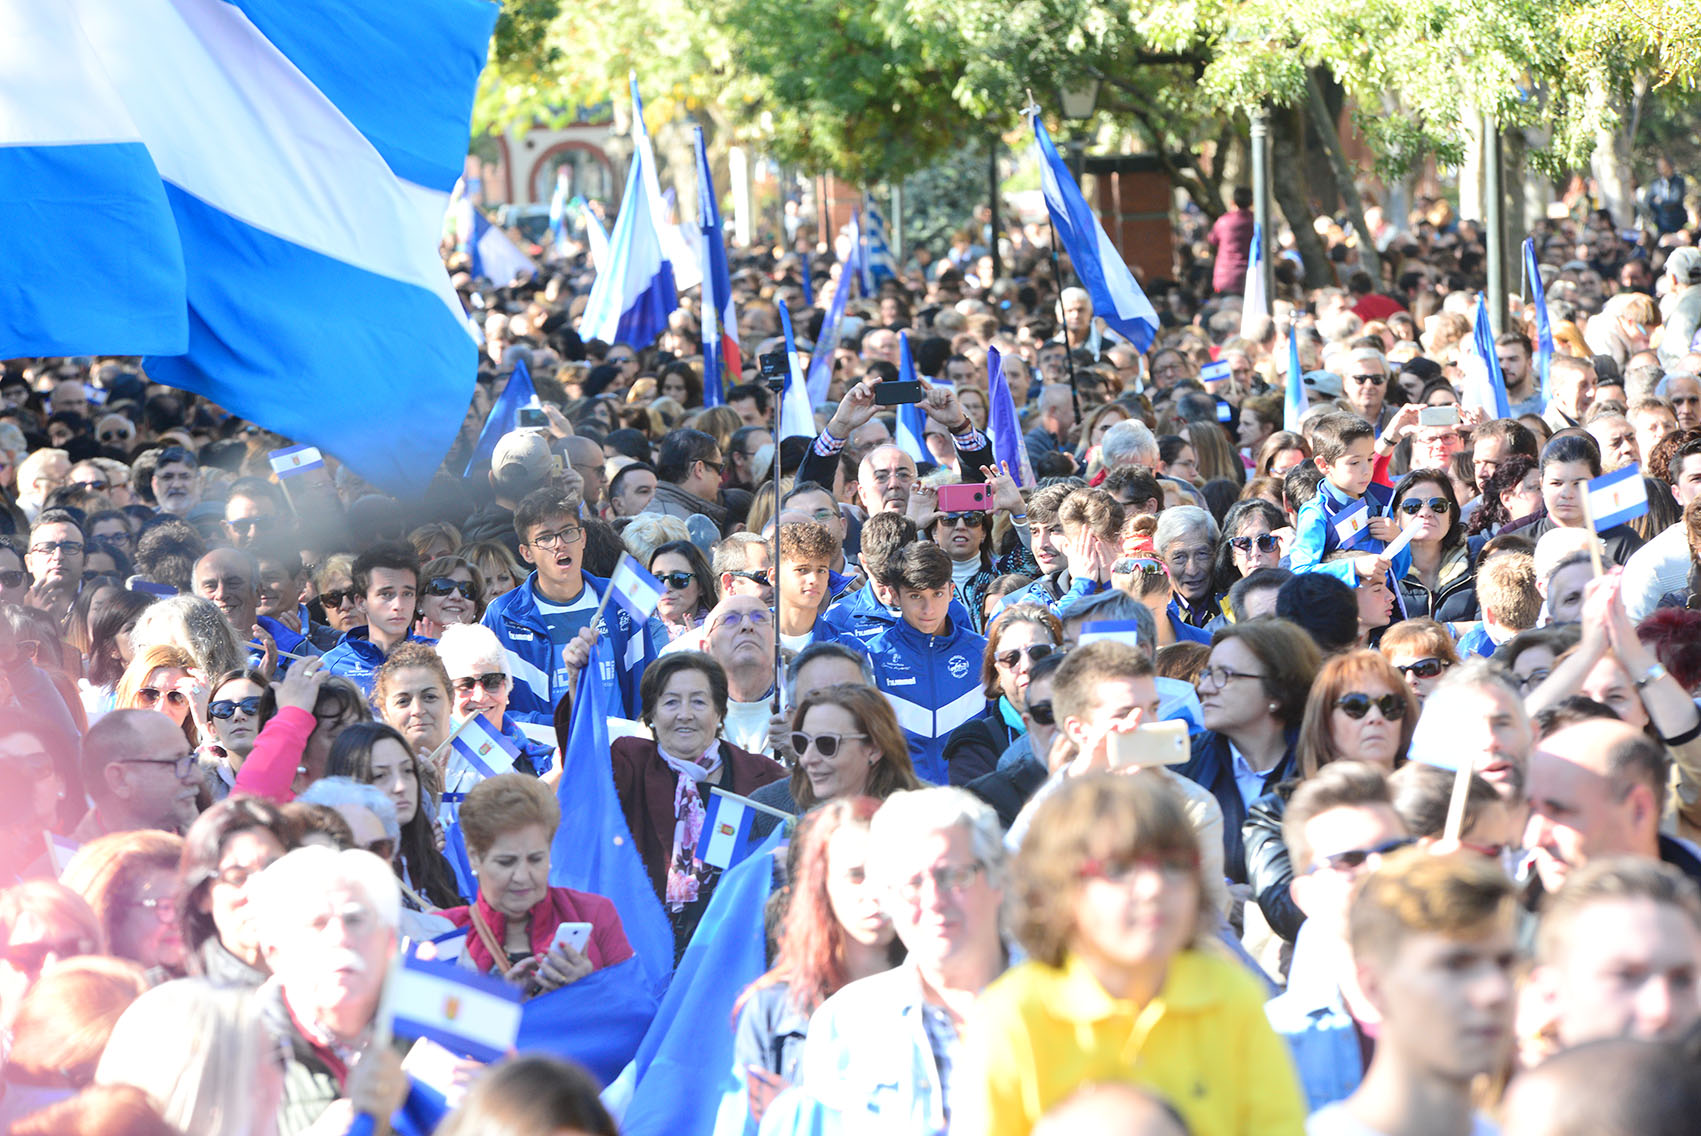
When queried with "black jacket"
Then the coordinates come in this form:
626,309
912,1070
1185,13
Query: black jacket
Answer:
1212,765
973,749
1008,789
820,469
1454,599
1269,871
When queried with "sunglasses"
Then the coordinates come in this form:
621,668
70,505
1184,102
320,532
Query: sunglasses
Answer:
1041,713
1355,858
227,707
253,524
29,958
1437,505
678,581
149,697
1034,652
14,578
754,577
1423,668
115,435
337,597
971,520
1357,704
446,585
493,683
1266,542
1373,380
1130,565
827,745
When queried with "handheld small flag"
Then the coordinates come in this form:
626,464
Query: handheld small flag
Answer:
293,461
485,749
503,414
1219,371
1483,337
633,588
806,282
725,838
720,318
1117,297
1117,630
1350,522
821,359
1294,401
1009,447
797,419
1536,296
1617,497
1255,301
911,426
596,238
475,1015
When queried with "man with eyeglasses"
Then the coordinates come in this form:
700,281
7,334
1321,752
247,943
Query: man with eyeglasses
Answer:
1337,827
881,1052
545,623
140,773
739,635
818,504
57,550
176,481
689,467
1365,385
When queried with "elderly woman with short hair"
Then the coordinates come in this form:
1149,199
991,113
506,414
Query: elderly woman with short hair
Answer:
1186,541
480,681
225,847
129,880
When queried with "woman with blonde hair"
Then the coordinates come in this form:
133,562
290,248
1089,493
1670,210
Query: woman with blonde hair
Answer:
496,566
203,1055
1111,908
435,540
196,626
1213,454
162,677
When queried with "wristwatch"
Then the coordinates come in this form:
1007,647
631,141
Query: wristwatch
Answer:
1654,673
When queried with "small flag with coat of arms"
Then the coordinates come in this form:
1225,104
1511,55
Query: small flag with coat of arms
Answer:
725,837
486,749
633,588
1350,522
472,1014
295,460
1617,497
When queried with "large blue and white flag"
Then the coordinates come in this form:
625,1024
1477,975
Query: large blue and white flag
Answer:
1116,295
797,418
633,296
504,414
598,1021
1294,399
1255,301
495,257
912,424
472,1014
558,212
306,158
878,264
1535,295
633,588
1617,497
1492,383
593,849
720,319
1009,446
821,359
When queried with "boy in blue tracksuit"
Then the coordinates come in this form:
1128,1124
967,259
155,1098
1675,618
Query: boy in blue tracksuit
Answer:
1349,511
927,664
386,577
537,620
859,616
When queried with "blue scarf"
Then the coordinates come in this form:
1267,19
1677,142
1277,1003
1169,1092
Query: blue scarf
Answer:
1011,717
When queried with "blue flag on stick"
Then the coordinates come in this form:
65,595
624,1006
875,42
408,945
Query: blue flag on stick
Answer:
503,412
1483,336
1536,294
1009,446
1294,402
821,360
911,423
720,319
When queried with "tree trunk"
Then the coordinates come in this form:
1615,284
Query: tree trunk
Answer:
1292,192
1329,135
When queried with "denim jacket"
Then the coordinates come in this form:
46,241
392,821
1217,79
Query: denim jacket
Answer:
868,1058
1312,1018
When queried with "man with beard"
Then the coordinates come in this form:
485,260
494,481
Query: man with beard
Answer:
176,481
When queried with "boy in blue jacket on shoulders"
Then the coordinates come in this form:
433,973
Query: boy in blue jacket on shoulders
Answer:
1349,512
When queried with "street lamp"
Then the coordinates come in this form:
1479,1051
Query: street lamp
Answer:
1078,104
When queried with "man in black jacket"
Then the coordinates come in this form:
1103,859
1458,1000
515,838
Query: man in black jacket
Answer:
974,451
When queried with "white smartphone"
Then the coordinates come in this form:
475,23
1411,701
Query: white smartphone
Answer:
1161,743
574,935
1438,416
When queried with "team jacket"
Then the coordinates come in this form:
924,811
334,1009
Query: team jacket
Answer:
933,683
540,679
357,658
860,616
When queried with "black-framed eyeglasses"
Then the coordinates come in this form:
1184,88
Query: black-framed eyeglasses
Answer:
148,697
1266,542
1220,676
546,541
63,547
1357,704
1440,506
754,577
1423,668
1034,652
1041,713
29,958
717,466
971,520
13,578
228,707
1355,858
182,767
253,524
1373,380
447,585
827,745
492,682
1532,680
337,597
678,581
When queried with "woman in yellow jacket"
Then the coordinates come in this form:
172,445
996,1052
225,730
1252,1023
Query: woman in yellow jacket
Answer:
1109,903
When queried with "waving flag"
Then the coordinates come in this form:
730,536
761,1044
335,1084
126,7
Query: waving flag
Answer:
593,849
472,1014
720,319
821,359
1009,447
1493,395
912,425
1294,401
632,298
1256,302
596,237
1617,497
1537,295
633,588
558,212
797,419
503,413
495,256
1116,296
877,262
306,161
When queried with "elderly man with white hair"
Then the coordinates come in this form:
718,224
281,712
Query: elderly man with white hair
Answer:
1081,332
1186,540
1129,443
1364,382
327,923
881,1051
480,681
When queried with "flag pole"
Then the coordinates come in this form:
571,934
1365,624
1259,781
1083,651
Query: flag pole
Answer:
1456,804
777,384
1594,537
749,804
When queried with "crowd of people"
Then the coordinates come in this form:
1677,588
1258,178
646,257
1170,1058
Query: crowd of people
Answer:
1208,771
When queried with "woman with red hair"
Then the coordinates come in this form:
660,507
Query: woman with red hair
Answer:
834,933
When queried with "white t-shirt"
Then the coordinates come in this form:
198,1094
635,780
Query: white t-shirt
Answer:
746,725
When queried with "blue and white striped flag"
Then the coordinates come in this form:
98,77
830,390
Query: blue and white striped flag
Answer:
293,461
877,263
1216,371
558,212
725,836
1255,301
472,1014
486,749
504,414
1350,522
1009,446
633,588
633,296
821,359
1493,396
1116,295
1617,497
720,318
912,425
284,262
797,418
1536,295
495,256
1294,400
1117,630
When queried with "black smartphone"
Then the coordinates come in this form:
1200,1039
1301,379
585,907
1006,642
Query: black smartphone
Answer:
897,394
775,365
